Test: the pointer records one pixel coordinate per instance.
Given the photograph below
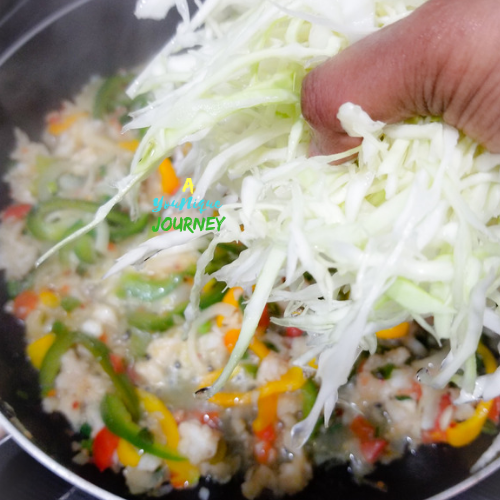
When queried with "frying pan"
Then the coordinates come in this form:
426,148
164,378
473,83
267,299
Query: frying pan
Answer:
60,45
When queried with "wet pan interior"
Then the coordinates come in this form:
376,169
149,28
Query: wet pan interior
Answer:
98,38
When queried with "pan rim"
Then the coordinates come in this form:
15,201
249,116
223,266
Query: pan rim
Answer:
17,44
53,465
74,479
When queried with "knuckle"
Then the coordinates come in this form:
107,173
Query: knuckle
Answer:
309,99
319,101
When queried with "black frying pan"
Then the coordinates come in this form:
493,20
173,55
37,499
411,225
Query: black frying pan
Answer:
100,37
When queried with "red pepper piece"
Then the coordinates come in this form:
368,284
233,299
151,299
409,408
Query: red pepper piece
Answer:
103,448
362,429
494,414
293,332
17,211
265,319
24,303
372,449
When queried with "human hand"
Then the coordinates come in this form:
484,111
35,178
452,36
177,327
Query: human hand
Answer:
442,60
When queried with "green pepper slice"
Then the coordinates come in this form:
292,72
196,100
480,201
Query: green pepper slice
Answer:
152,322
309,395
120,231
121,226
111,95
118,420
121,382
149,289
51,365
214,295
224,254
15,287
383,372
84,249
69,303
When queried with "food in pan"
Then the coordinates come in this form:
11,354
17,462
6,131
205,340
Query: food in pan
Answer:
296,269
115,359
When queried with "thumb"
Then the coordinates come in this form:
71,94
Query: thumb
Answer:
372,73
440,60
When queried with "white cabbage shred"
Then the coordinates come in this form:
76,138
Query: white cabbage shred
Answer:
410,228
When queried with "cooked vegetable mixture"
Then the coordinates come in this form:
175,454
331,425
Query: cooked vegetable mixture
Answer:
408,223
116,358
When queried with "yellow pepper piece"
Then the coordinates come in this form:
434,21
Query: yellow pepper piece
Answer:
57,127
220,453
292,380
183,474
129,145
127,454
211,377
395,332
170,183
465,432
153,404
490,364
231,297
209,285
49,298
313,364
229,399
38,349
230,338
259,348
267,412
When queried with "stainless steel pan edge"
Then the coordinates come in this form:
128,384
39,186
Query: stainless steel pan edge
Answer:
60,470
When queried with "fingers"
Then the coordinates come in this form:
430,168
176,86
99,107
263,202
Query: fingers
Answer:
370,74
444,59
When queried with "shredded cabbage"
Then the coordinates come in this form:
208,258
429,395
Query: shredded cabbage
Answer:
410,228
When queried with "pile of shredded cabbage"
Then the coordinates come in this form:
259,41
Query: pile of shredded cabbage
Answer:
410,228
